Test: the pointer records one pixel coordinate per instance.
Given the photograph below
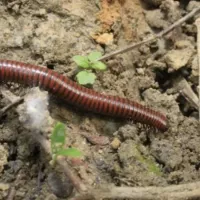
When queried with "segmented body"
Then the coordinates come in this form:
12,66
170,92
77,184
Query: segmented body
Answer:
77,95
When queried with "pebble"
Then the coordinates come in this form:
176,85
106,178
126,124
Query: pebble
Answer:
140,71
115,143
4,186
60,186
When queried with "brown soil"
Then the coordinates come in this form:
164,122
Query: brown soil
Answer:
47,32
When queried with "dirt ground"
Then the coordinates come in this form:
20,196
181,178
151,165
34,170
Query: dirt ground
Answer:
49,33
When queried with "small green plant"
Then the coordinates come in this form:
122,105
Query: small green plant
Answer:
88,64
58,140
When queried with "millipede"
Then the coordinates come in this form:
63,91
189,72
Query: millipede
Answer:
82,97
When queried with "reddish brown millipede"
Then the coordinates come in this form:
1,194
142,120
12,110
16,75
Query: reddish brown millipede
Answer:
77,95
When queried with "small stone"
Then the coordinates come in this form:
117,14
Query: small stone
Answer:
115,143
181,56
41,13
182,44
16,8
4,186
61,186
177,59
140,71
100,151
77,34
105,38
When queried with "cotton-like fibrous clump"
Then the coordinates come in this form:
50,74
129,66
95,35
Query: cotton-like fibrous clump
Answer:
34,112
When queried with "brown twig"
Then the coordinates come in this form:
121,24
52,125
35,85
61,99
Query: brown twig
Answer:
15,101
13,104
178,192
152,38
197,22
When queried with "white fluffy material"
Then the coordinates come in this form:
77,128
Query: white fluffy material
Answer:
34,112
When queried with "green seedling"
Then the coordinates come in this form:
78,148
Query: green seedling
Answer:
88,64
58,141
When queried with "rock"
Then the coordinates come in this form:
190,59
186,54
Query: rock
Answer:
182,44
115,143
61,186
41,12
140,71
105,38
4,186
179,57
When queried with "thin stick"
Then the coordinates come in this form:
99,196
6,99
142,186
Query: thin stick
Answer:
197,22
172,192
11,97
152,38
13,104
127,48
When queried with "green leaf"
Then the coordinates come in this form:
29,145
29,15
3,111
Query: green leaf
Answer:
81,61
93,56
98,65
58,135
85,77
73,152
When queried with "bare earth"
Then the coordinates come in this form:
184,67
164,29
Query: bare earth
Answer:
49,33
